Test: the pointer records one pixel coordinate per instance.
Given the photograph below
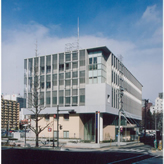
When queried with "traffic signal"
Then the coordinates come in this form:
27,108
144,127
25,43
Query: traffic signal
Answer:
61,127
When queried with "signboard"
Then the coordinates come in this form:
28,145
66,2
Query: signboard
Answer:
121,129
49,129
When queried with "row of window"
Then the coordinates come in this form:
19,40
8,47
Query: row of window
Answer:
61,100
116,63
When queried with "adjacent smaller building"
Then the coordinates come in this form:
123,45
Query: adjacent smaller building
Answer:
9,114
158,107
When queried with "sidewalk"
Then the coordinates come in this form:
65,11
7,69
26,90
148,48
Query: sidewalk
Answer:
96,146
156,152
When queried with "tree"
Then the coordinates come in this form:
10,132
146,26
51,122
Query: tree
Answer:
34,101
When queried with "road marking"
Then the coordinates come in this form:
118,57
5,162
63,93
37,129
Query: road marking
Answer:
133,150
126,159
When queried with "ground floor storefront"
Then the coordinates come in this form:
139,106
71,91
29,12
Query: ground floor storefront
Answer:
94,127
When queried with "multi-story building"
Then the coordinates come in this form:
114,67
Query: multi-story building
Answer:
18,98
158,107
9,114
85,81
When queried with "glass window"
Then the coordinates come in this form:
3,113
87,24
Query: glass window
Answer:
74,81
48,64
74,100
54,79
68,66
74,92
67,92
61,67
95,60
74,74
61,58
90,60
48,98
61,97
66,116
75,65
82,73
54,61
48,81
54,97
67,57
67,100
82,62
82,95
66,134
61,76
41,98
68,82
74,56
67,75
42,65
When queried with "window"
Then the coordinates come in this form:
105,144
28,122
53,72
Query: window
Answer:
74,100
67,75
48,81
47,117
61,97
67,92
68,82
108,98
65,134
66,116
95,60
67,57
54,97
54,79
75,65
54,62
41,98
61,67
67,100
61,79
48,69
74,92
74,56
74,74
68,66
42,65
82,95
48,64
90,60
75,81
48,98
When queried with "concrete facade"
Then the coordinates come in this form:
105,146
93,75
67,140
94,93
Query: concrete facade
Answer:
85,81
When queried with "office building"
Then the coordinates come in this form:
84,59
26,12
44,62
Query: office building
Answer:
88,82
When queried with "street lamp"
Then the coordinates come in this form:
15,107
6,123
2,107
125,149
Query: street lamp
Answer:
70,112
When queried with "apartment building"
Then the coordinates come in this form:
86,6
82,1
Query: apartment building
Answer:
88,82
158,107
9,114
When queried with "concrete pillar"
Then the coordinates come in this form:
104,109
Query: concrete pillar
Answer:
101,127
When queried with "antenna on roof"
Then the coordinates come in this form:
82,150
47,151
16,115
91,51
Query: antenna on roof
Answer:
78,33
75,45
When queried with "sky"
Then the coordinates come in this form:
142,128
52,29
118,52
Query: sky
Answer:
131,28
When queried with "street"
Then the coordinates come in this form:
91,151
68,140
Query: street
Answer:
136,153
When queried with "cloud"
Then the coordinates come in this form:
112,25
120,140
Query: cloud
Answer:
20,44
151,14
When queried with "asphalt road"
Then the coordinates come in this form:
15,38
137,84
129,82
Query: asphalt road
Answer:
136,154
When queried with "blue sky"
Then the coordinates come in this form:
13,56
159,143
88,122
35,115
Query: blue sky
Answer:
132,28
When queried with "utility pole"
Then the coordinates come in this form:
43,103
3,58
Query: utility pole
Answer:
121,90
145,122
57,125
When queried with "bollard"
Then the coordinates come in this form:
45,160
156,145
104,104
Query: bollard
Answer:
155,144
160,145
